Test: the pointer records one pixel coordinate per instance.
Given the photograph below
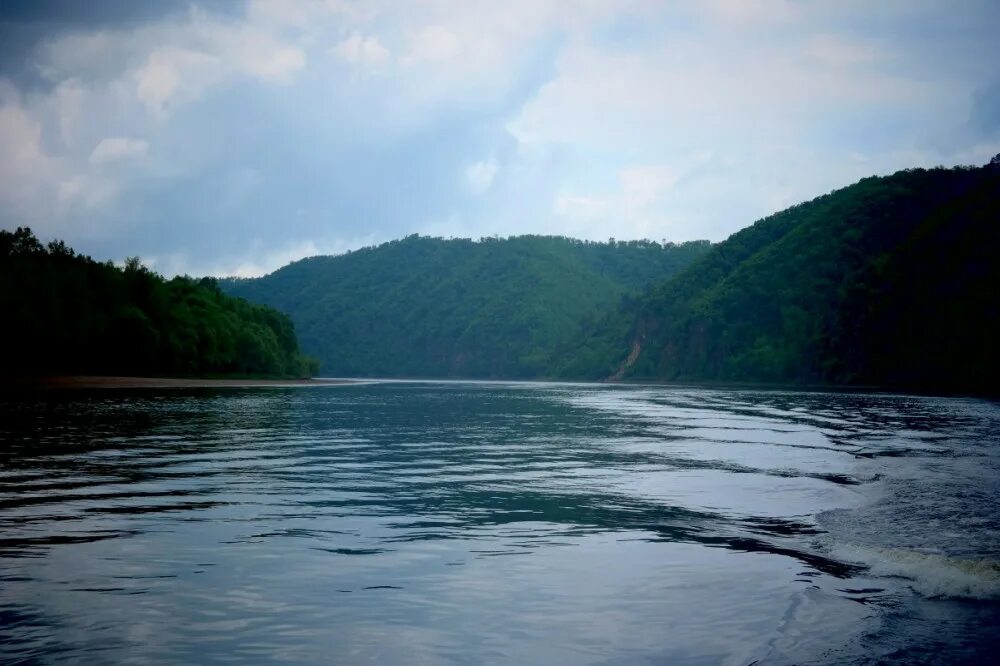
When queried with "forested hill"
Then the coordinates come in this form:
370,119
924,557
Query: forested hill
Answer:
66,314
893,281
429,307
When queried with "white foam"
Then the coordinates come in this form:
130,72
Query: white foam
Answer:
931,574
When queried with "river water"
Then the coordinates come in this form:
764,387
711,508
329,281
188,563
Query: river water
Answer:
467,523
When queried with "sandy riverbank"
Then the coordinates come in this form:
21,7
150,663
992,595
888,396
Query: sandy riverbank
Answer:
92,382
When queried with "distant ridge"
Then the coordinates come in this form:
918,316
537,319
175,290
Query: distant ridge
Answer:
430,307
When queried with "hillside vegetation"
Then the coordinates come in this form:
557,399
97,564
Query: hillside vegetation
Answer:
65,313
893,281
429,307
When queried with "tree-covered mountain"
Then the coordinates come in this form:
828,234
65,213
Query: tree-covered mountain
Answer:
65,313
893,281
431,307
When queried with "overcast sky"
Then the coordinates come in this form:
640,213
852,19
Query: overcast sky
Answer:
231,138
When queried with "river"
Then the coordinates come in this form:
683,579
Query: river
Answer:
499,523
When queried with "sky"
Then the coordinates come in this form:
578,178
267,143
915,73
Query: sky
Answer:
230,138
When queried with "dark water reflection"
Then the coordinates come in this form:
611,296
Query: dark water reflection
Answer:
483,523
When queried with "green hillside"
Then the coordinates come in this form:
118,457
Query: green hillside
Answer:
429,307
65,313
892,281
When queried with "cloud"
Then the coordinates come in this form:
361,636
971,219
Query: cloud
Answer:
642,185
986,108
480,175
434,44
361,50
834,51
261,258
84,191
583,207
114,149
26,170
228,139
780,96
261,55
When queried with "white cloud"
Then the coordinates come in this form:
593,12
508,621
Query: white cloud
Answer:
699,94
176,59
258,54
835,51
745,13
479,176
27,173
261,259
296,13
635,204
69,98
361,50
114,149
272,260
782,103
434,43
160,79
582,206
642,185
624,118
86,190
88,56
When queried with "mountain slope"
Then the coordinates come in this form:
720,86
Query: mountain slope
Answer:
891,281
438,308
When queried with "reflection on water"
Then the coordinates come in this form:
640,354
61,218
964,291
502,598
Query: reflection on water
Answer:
498,523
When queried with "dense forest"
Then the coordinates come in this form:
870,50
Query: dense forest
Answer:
893,281
430,307
65,313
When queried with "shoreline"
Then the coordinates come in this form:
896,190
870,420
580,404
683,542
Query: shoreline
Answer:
99,382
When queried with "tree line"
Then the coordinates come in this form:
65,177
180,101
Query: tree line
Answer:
66,313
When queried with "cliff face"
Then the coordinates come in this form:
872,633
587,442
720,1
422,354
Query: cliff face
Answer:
629,361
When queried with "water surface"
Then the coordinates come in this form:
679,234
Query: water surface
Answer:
466,523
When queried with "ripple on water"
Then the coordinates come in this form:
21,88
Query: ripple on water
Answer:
502,523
